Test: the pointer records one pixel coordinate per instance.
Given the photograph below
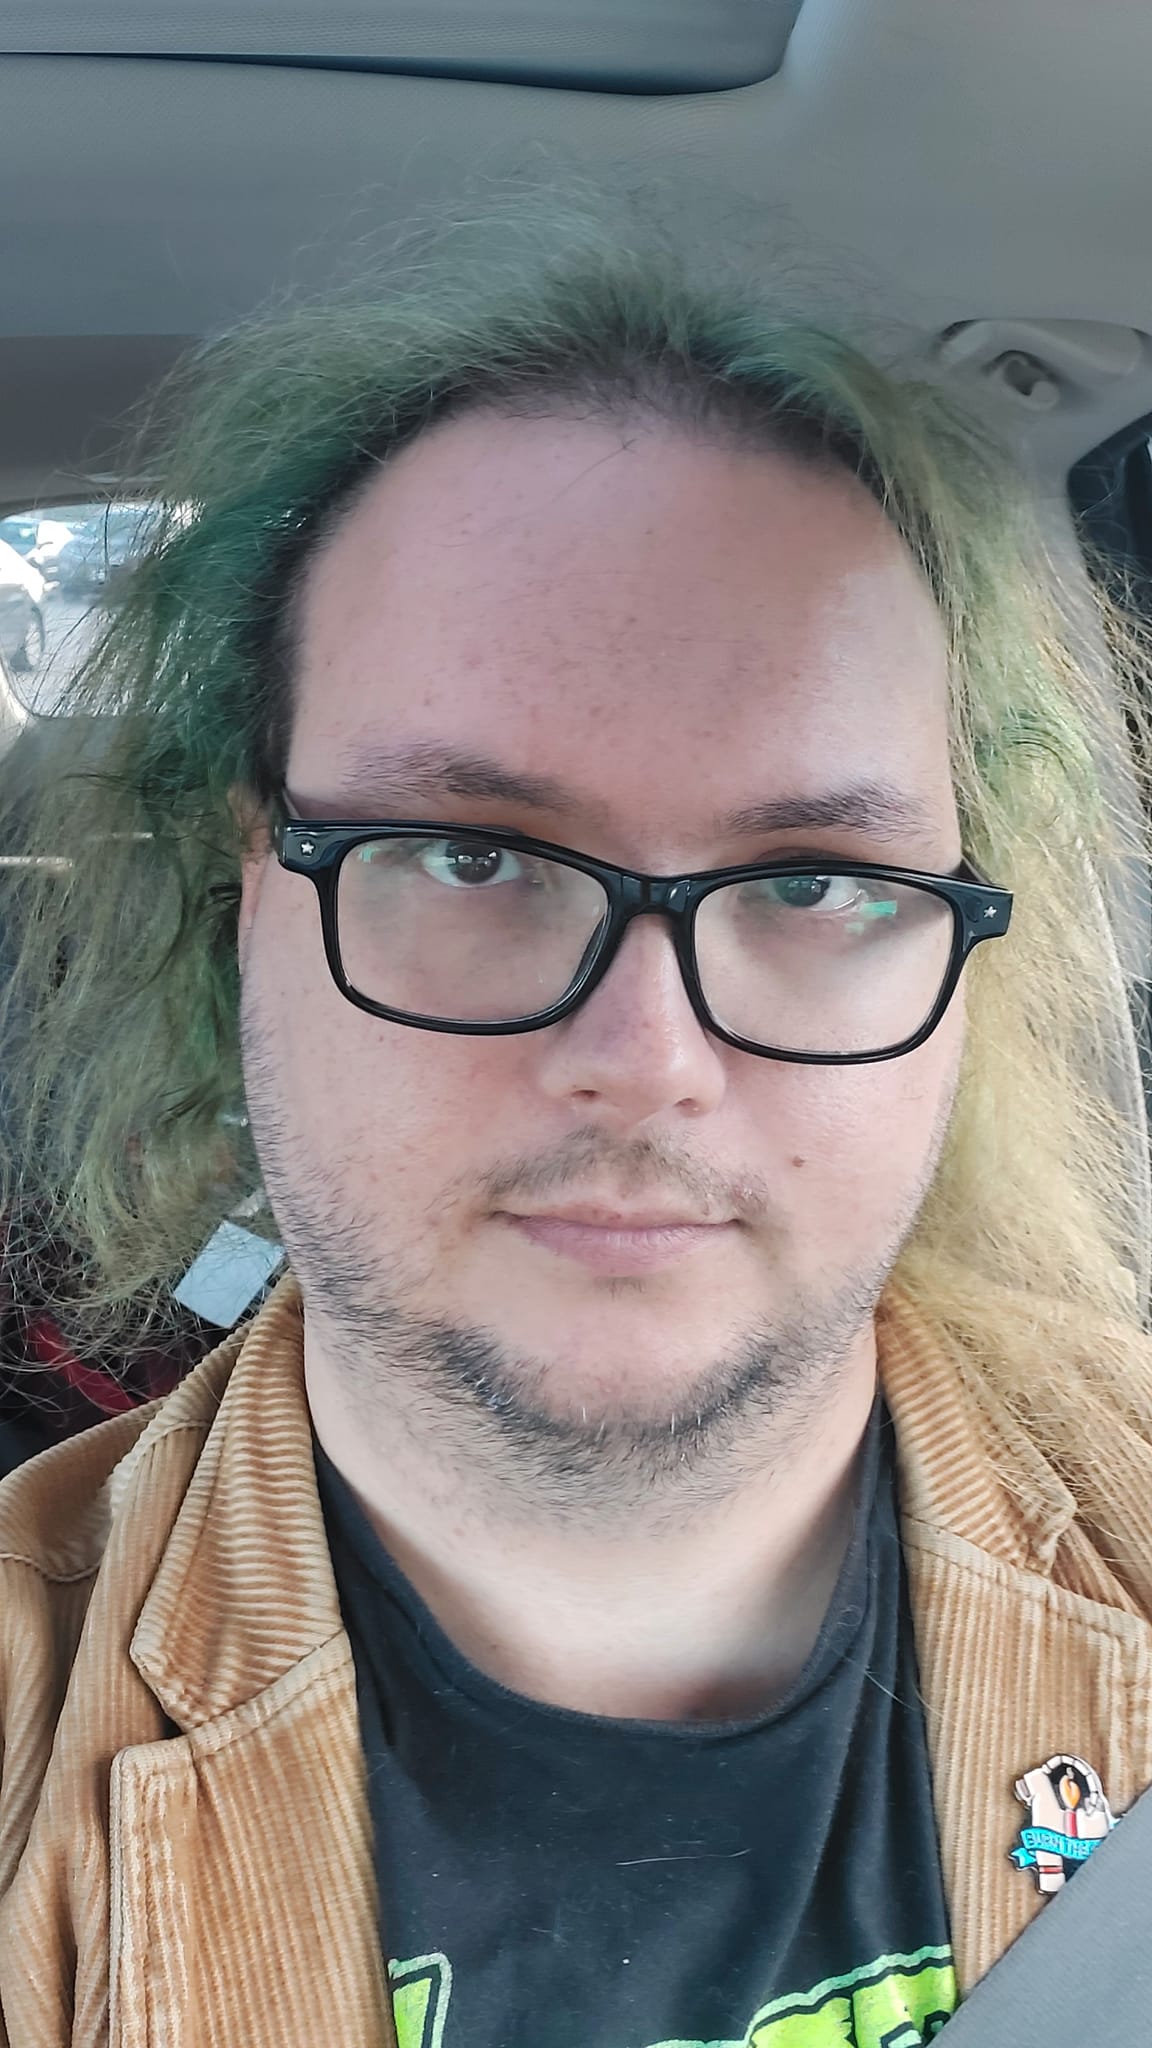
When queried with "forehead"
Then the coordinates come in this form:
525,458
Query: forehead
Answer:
660,623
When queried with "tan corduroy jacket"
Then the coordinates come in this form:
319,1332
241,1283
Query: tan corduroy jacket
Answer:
185,1844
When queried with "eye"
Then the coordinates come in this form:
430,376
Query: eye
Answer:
811,892
464,864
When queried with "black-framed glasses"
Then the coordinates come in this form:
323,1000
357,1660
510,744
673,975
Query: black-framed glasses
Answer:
484,932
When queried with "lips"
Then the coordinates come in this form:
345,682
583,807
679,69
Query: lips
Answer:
614,1242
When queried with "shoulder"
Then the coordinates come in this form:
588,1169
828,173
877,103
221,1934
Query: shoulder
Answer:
54,1508
59,1512
83,1529
1032,1431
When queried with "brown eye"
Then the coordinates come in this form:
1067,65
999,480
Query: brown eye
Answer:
465,864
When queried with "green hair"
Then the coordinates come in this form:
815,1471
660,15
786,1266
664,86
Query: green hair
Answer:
125,1118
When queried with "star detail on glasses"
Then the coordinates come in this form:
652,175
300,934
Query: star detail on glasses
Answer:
991,910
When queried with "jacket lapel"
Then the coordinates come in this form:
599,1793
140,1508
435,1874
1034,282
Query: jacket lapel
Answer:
243,1893
242,1873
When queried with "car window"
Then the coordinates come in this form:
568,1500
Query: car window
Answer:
73,562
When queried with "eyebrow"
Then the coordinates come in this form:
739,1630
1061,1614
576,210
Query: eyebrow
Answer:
857,807
383,775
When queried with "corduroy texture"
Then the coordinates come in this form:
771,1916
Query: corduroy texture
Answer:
213,1887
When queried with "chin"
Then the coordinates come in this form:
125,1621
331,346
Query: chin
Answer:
649,1341
647,1372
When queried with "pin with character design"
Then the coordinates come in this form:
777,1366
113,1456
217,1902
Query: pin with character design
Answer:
1069,1817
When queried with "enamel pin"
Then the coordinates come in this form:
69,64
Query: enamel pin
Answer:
1069,1816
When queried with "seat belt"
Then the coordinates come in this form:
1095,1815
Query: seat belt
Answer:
1082,1970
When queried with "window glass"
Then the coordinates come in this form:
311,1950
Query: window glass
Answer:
62,568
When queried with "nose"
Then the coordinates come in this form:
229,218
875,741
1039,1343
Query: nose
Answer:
636,1047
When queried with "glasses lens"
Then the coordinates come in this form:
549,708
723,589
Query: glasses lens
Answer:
461,930
818,963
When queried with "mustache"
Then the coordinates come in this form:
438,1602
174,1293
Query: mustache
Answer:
594,1161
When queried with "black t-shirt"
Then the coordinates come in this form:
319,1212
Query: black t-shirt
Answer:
551,1879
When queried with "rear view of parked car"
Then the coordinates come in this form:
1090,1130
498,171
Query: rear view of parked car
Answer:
21,610
38,541
98,560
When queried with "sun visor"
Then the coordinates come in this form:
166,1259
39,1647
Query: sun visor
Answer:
628,46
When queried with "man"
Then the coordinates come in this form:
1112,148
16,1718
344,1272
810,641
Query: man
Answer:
691,1471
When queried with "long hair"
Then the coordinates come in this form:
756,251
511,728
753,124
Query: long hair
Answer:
124,1123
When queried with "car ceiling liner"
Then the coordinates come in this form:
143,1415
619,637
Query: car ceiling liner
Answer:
629,46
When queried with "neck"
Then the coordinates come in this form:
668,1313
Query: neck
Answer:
709,1615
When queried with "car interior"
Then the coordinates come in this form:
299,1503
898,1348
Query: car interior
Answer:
961,188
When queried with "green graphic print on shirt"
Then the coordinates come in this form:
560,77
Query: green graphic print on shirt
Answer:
896,2002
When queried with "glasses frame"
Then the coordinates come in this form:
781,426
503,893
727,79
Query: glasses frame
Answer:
318,848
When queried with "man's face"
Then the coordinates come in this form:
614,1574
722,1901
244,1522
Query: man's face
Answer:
674,633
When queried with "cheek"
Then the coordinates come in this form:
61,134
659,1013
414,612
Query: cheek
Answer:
378,1102
390,1114
856,1143
397,1107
